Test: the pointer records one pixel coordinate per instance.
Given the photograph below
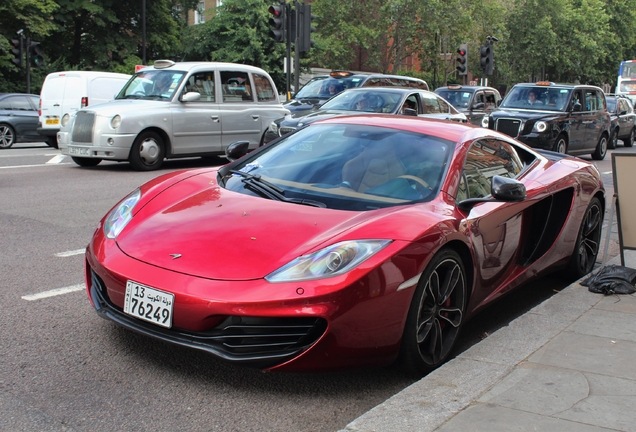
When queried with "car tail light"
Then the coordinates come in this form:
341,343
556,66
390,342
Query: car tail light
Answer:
84,102
40,108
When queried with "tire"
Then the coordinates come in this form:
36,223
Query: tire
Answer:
86,162
629,142
52,142
588,241
7,136
147,152
613,141
601,148
435,315
561,145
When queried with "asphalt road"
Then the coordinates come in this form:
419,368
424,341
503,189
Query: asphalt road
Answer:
64,368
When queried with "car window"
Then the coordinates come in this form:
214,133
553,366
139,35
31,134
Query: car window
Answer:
264,90
430,104
236,87
443,105
202,83
486,159
17,103
36,102
351,167
490,100
592,101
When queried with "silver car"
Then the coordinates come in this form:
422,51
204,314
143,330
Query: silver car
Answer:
173,110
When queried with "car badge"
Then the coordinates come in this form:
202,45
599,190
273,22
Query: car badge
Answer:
175,256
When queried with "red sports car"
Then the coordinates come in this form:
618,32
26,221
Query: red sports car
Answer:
353,241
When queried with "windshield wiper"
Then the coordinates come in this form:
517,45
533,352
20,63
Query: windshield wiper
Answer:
269,190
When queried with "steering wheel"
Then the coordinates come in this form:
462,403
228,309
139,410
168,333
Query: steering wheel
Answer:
418,182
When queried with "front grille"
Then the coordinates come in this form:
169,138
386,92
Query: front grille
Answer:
260,342
286,129
510,127
83,127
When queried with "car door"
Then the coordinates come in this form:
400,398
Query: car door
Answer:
625,117
197,125
577,121
594,120
241,113
494,228
477,108
23,116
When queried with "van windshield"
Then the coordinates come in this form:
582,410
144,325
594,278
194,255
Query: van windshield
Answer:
152,85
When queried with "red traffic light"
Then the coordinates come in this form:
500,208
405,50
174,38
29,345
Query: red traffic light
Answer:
277,11
461,52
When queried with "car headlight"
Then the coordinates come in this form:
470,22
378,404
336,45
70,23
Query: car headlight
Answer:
540,126
115,121
273,126
484,121
65,119
119,217
330,261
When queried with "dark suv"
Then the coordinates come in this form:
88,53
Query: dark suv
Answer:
320,89
473,101
565,118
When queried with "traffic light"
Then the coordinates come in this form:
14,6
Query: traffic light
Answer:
277,22
35,54
17,51
486,58
462,60
306,28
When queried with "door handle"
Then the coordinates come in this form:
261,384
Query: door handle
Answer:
56,104
215,118
255,116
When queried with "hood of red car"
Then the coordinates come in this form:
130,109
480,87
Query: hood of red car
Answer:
220,234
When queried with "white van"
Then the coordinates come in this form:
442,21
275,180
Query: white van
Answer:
67,92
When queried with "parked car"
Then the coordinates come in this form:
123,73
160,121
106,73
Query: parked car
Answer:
565,118
623,120
174,110
473,101
386,100
18,119
354,241
68,91
321,88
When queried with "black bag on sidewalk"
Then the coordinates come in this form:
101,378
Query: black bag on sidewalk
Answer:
613,279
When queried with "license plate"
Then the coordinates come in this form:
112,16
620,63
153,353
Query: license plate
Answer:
52,121
149,304
79,151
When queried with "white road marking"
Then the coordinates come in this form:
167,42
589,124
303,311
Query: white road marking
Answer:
57,159
70,253
32,166
27,155
55,292
607,172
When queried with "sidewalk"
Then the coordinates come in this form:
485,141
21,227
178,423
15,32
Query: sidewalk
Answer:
569,364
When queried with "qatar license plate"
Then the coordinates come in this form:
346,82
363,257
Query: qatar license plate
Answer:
149,304
79,151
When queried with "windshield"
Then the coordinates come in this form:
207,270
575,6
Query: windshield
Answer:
537,98
152,84
611,105
368,101
457,98
347,167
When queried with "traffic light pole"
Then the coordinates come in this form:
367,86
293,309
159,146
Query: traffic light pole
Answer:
28,65
288,17
297,48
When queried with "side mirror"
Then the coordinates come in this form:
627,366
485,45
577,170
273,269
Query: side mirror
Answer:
236,150
190,97
576,107
410,112
501,189
499,102
478,105
623,112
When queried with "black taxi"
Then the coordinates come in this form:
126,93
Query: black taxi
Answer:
473,101
565,118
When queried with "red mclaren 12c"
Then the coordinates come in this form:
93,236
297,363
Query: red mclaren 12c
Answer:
354,241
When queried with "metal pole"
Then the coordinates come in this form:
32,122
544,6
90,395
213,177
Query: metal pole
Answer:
28,64
143,32
297,49
288,37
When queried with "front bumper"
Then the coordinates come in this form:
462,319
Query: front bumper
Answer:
110,147
287,326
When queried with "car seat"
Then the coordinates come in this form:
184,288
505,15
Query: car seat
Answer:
375,165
